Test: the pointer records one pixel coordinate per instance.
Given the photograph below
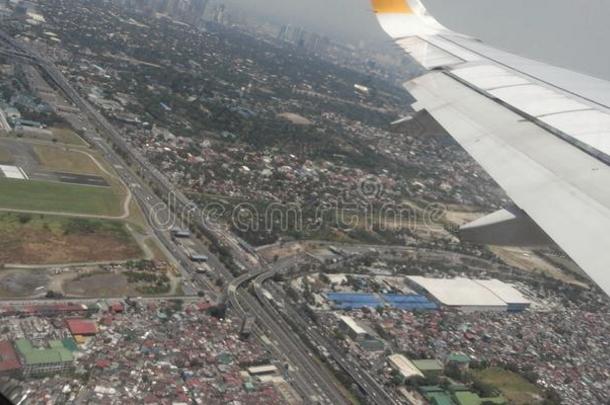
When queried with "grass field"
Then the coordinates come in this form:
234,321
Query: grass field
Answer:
34,195
59,159
155,249
50,239
67,136
514,387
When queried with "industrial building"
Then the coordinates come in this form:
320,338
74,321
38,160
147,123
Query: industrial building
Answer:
411,302
514,299
404,366
429,367
43,361
351,327
469,295
354,300
262,370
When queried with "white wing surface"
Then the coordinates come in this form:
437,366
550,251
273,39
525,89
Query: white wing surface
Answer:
542,132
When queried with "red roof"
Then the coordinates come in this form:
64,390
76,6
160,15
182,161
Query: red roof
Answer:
203,306
81,327
102,363
8,357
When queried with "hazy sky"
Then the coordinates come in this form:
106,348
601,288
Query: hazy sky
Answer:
568,33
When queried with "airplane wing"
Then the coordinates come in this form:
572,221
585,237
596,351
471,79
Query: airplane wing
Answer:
542,132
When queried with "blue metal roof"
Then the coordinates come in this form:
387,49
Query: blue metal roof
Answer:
413,302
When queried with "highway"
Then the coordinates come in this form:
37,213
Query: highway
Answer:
375,392
311,379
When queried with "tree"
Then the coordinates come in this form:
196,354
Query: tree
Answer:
484,389
339,335
397,378
54,295
24,218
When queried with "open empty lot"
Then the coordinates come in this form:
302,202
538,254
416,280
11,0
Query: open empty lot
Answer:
99,285
5,156
67,136
33,239
64,160
19,283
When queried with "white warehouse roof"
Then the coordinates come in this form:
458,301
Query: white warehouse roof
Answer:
505,292
352,324
459,292
404,366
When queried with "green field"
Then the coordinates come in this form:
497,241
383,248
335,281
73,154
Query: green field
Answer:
514,387
31,195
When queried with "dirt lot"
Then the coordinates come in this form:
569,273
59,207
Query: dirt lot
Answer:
289,249
527,260
108,284
463,217
36,239
5,156
99,285
22,283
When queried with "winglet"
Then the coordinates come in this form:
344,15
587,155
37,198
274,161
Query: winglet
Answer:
391,6
404,18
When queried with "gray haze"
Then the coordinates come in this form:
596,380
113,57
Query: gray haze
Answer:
567,33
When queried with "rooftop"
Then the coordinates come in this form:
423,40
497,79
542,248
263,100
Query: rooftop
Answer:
352,324
467,398
81,327
404,366
428,365
458,358
458,291
505,292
